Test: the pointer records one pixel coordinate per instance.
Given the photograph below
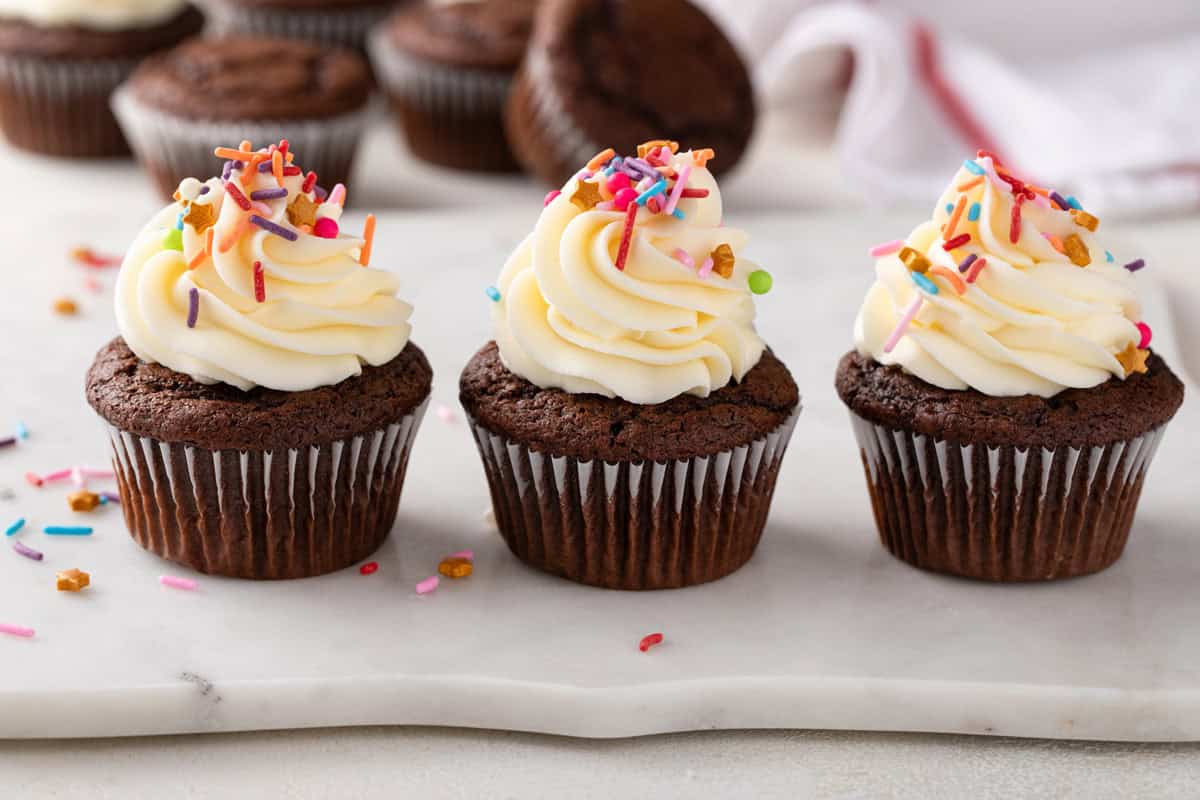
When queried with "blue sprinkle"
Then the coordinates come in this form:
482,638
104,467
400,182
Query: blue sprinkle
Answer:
949,208
1108,256
608,171
103,500
677,214
67,530
22,431
493,293
1073,203
924,283
16,526
973,168
179,222
657,188
973,212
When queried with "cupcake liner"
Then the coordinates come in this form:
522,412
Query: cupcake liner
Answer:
264,515
345,27
173,148
451,116
1003,513
61,107
633,525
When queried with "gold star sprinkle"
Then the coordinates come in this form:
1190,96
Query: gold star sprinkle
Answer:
456,567
83,501
654,144
723,260
302,211
587,195
1085,220
201,216
1133,359
72,580
916,262
1076,250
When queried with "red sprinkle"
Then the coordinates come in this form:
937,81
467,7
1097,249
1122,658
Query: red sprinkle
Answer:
260,284
649,641
236,193
291,171
989,154
284,144
957,241
694,193
369,568
34,479
1014,229
626,235
310,180
1018,185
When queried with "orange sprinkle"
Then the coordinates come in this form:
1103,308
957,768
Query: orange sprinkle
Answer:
949,275
1055,242
245,146
364,258
971,184
277,166
231,238
955,216
701,157
229,154
600,159
1038,189
198,259
251,168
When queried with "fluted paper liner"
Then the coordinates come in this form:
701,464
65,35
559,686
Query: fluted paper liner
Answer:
633,524
264,515
61,107
1003,513
344,27
452,116
172,148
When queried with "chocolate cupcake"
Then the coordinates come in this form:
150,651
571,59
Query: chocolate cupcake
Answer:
631,421
1005,401
178,103
447,69
263,397
61,61
331,23
600,72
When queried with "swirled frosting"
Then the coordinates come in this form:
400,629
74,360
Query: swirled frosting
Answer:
1049,309
97,14
573,315
254,308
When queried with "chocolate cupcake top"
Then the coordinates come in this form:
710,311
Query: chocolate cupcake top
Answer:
253,78
1006,290
247,280
107,15
630,285
486,34
123,29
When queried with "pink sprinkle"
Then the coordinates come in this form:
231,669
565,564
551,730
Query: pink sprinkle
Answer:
706,268
78,478
1147,335
886,249
606,205
16,630
903,324
326,228
94,472
187,584
677,192
469,555
58,475
92,284
682,257
551,197
262,208
623,198
337,195
428,585
1041,201
445,414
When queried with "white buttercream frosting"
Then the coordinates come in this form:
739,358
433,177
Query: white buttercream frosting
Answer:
98,14
1033,322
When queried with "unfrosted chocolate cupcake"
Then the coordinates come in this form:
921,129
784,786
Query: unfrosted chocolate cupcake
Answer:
1005,401
263,396
447,68
617,73
631,421
207,90
331,23
61,61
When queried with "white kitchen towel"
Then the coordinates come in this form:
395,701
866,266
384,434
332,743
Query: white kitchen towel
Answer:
1113,118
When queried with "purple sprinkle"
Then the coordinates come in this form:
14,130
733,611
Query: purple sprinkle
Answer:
8,441
266,166
193,306
643,166
111,497
227,171
1060,200
269,194
1134,266
204,190
967,262
320,193
28,552
271,227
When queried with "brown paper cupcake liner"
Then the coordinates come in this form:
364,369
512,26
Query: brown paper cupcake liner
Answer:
61,107
264,515
347,27
1003,513
633,525
451,116
172,148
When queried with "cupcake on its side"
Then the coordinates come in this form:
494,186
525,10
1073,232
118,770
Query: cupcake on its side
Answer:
630,419
207,90
61,60
1002,389
447,68
263,396
331,23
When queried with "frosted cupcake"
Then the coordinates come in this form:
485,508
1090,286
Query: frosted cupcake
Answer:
1002,389
631,420
263,396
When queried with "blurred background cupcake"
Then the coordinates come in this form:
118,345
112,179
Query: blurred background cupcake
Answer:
265,89
447,69
339,23
60,61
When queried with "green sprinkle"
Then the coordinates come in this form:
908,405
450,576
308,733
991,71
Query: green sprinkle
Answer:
173,240
760,281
